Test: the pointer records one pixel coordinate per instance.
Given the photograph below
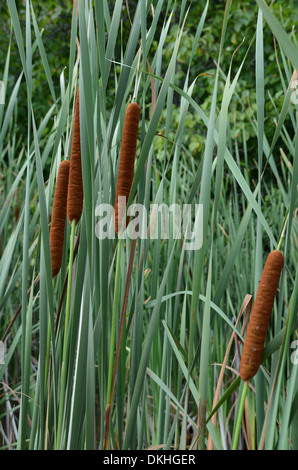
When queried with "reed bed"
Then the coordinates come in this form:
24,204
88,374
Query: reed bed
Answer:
137,344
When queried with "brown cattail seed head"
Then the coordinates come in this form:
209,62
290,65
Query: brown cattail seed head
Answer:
59,217
75,185
260,316
126,163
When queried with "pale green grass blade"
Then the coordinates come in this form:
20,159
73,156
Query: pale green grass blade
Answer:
162,385
259,54
4,79
6,258
280,367
283,39
43,55
204,362
9,111
191,384
26,373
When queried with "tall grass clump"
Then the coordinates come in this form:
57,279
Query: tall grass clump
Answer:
112,341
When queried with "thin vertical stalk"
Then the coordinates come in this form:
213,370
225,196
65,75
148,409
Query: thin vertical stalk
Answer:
112,343
64,354
239,417
114,319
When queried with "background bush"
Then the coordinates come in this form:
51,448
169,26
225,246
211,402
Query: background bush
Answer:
54,17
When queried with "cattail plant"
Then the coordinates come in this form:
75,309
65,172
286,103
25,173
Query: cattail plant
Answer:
257,329
75,196
75,185
126,164
124,182
59,217
259,321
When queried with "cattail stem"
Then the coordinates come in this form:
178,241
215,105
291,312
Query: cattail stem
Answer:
239,416
121,330
65,348
48,355
114,320
279,243
68,295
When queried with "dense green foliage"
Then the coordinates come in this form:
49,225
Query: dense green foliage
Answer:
54,18
137,343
